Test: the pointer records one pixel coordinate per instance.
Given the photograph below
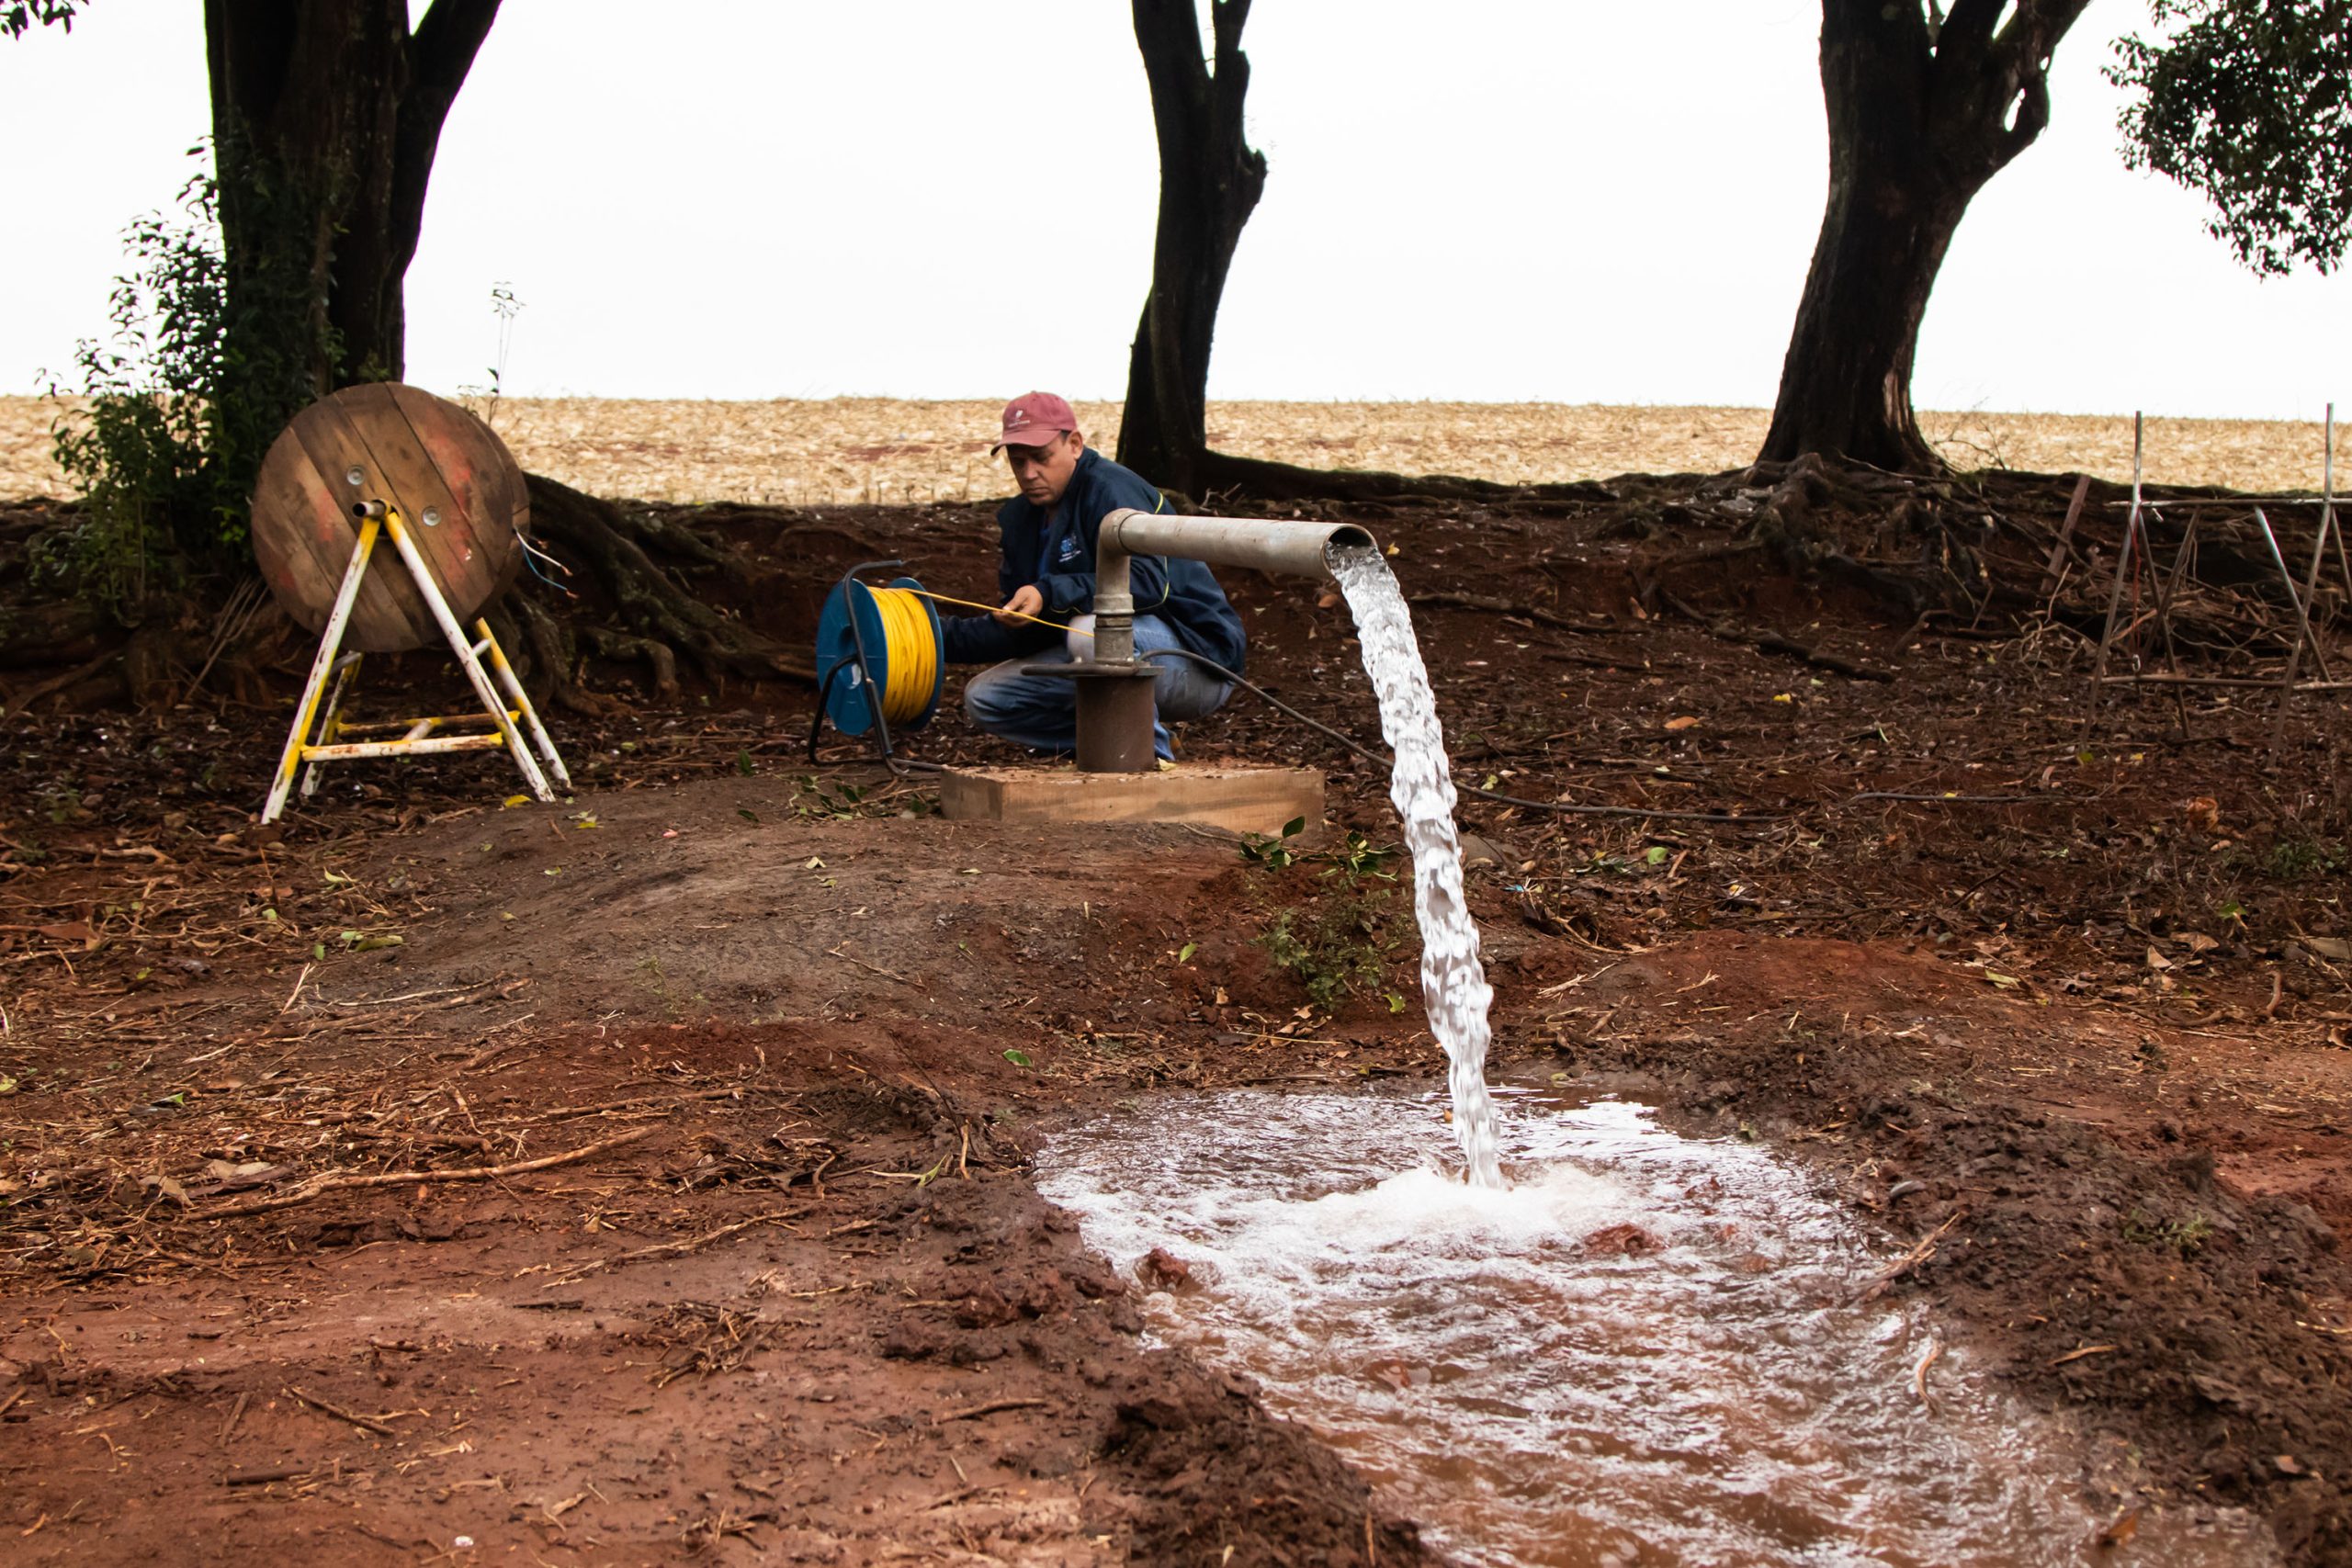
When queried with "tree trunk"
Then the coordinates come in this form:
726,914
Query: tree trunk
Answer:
325,117
1210,179
1923,110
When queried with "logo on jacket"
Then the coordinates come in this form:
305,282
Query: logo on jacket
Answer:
1068,551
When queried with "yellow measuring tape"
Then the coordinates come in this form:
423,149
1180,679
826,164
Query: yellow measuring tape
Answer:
912,659
996,610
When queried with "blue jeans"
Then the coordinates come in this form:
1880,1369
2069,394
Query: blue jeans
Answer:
1042,710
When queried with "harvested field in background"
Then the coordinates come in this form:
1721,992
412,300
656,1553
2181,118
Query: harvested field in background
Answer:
896,450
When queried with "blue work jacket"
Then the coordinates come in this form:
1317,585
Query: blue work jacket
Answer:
1054,549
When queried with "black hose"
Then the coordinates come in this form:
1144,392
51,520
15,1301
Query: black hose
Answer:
1565,808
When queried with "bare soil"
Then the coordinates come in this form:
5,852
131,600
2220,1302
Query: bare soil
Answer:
663,1190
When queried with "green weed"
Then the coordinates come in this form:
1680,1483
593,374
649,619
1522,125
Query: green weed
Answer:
2296,858
1356,857
2187,1237
1335,948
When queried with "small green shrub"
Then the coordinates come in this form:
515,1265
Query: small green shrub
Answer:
183,397
1334,948
2296,857
2188,1237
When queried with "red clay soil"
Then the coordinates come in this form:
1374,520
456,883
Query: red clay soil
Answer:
663,1191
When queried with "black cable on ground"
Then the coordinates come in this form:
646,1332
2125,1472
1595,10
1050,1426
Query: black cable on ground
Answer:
1567,808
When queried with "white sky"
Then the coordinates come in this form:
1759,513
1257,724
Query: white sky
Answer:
1494,199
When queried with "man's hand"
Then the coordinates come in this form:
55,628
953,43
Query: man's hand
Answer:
1026,601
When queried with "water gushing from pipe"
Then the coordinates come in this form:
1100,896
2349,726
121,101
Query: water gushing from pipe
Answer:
1453,982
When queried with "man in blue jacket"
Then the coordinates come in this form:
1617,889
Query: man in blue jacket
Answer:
1046,574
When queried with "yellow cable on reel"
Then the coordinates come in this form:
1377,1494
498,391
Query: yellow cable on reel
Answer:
913,653
900,641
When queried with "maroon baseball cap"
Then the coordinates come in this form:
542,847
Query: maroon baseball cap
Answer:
1035,419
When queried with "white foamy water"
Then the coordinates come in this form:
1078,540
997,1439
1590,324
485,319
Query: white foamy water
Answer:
1541,1396
1454,983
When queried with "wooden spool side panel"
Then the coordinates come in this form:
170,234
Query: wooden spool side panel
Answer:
389,616
405,476
423,456
294,552
477,466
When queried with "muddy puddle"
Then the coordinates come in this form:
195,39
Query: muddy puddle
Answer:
1649,1350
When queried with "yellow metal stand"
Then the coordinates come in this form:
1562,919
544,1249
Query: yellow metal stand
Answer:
304,754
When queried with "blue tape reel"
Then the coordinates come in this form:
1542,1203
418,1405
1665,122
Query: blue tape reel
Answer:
850,703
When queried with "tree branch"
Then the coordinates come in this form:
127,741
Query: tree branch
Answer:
1227,18
1170,39
1969,28
440,54
442,49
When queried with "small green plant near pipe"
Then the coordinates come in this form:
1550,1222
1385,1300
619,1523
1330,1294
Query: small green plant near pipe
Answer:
1336,947
1355,858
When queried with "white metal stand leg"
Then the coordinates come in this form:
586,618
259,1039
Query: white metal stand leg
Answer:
346,670
330,641
527,764
521,700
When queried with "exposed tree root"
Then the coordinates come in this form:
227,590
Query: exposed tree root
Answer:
661,619
1800,519
42,635
70,680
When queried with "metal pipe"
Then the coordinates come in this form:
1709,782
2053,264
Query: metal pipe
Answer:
1269,545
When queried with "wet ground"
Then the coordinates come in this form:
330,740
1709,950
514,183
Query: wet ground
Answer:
1652,1349
669,1186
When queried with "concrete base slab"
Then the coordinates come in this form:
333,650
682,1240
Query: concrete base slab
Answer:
1241,800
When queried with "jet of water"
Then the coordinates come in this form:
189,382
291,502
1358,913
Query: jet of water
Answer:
1454,983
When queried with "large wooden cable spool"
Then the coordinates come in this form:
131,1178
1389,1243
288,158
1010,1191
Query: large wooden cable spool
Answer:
455,485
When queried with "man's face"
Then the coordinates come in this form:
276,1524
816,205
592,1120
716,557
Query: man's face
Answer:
1043,472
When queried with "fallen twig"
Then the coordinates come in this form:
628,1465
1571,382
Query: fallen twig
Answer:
876,968
263,1477
324,1408
991,1408
299,981
1505,607
1919,1373
1773,642
1925,1249
678,1248
318,1186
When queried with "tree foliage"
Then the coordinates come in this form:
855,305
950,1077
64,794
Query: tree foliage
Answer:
278,280
180,400
19,16
2249,102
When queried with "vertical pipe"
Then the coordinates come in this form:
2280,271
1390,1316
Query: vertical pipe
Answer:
2328,512
2319,537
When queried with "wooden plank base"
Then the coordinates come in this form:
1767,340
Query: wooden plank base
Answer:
1241,800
